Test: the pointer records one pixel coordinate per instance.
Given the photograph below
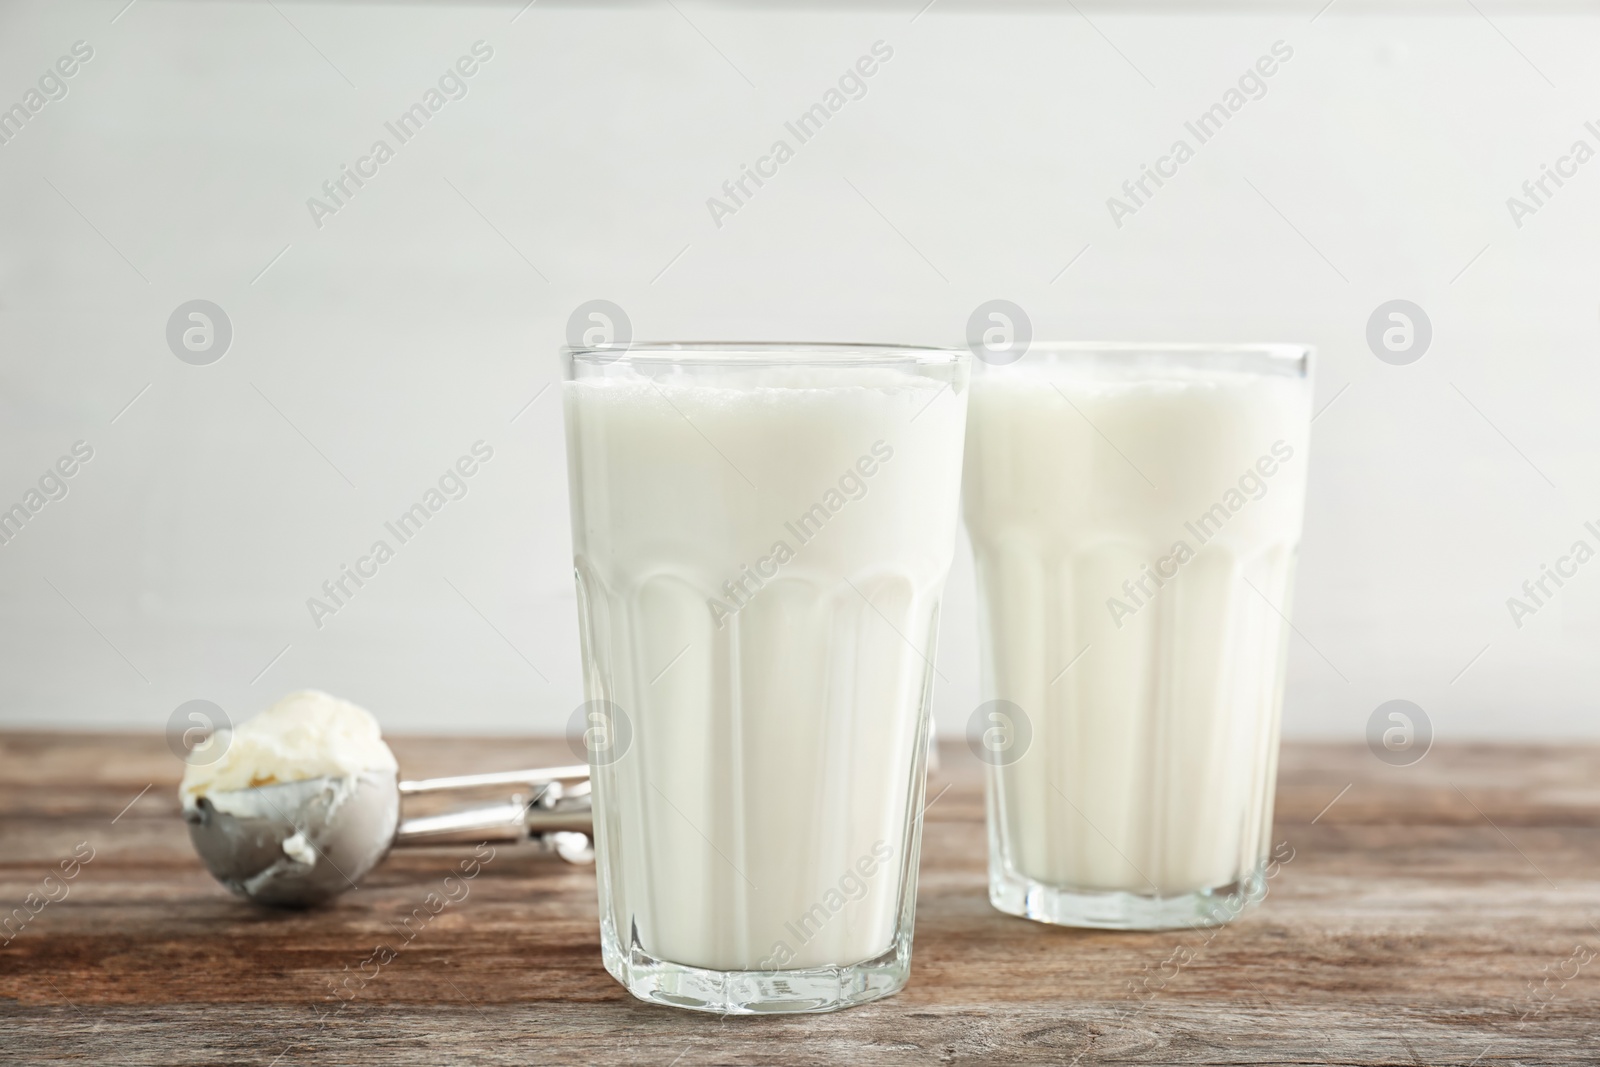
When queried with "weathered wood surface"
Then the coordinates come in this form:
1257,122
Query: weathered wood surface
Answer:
1446,913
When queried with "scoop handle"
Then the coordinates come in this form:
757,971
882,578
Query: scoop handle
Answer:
550,806
511,821
535,777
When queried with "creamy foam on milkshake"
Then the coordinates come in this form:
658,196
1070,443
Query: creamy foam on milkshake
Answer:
760,556
1135,523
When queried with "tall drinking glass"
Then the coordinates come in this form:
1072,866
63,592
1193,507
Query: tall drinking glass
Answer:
761,535
1135,512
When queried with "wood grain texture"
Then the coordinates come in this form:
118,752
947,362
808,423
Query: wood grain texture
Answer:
1446,913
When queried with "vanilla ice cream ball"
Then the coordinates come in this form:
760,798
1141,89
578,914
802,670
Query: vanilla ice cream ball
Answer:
308,734
294,805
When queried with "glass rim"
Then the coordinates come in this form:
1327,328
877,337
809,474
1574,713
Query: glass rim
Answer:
1284,350
765,353
1286,359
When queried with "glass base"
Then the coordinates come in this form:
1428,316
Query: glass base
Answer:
757,992
1021,896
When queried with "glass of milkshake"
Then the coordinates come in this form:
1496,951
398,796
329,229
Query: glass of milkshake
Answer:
761,534
1135,511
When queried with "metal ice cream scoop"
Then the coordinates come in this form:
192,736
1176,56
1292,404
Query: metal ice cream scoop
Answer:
295,844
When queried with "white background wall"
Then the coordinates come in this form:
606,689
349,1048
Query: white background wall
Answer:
427,312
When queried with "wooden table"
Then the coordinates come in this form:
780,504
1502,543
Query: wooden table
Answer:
1443,913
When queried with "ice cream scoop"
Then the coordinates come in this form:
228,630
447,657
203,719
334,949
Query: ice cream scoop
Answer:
296,805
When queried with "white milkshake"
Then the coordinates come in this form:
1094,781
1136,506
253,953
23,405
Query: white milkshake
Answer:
761,538
1135,514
